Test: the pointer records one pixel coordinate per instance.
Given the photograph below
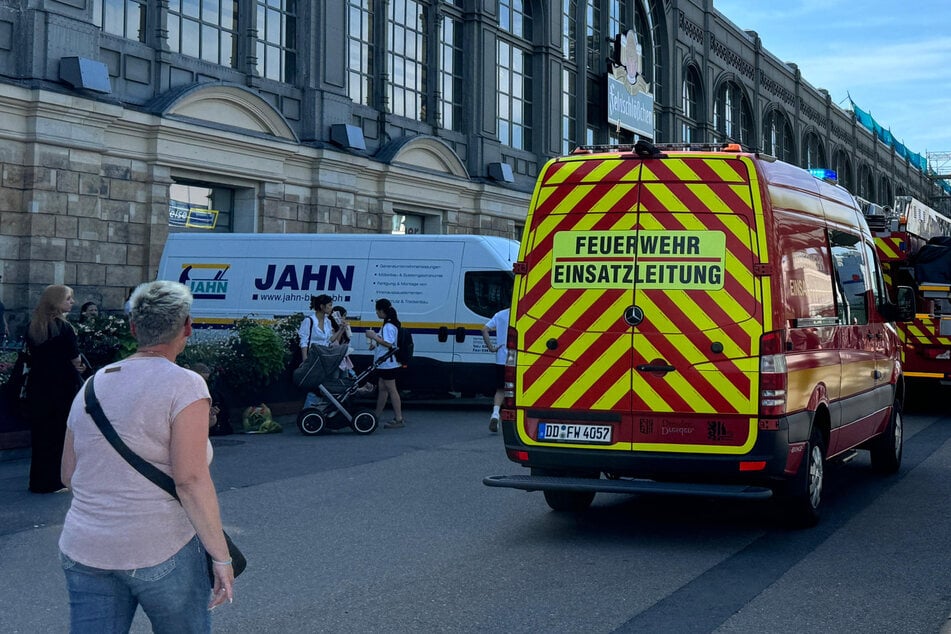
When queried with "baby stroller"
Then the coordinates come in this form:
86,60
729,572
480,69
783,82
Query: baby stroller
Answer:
321,375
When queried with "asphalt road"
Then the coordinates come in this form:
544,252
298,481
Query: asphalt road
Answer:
395,532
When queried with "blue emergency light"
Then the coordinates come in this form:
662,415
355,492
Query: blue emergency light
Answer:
825,174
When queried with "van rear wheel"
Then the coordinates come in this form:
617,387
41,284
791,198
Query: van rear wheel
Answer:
566,501
886,450
569,501
804,495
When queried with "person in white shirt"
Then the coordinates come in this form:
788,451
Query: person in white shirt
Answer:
499,325
381,343
317,328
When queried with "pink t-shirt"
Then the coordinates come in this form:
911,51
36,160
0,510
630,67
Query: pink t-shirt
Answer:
118,519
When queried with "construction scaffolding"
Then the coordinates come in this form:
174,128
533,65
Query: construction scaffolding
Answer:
939,170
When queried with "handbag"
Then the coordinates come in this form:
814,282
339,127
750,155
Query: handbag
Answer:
153,473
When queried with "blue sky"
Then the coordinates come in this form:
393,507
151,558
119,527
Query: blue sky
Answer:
892,57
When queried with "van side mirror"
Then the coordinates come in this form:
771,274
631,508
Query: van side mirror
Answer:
904,307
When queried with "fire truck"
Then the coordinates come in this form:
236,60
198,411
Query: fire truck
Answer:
914,245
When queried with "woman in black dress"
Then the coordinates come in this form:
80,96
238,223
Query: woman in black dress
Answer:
54,379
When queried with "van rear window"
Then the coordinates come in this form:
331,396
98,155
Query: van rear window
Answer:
488,292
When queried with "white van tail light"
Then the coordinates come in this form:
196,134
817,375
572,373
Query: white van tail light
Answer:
772,374
508,399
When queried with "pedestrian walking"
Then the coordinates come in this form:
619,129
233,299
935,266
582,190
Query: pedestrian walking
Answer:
381,343
499,326
55,368
126,542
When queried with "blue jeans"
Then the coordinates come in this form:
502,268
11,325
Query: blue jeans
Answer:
174,594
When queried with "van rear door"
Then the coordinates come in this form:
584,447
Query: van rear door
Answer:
699,304
574,361
639,309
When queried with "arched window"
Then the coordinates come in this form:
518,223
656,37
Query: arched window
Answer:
814,154
842,165
691,100
732,114
885,191
515,74
778,136
866,184
642,27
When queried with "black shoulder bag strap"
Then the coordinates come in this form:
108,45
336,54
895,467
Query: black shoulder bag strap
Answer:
140,464
310,330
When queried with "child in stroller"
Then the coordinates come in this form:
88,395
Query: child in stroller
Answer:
330,393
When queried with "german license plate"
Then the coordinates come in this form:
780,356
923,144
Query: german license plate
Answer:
571,432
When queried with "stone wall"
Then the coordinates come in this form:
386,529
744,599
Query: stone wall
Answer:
85,202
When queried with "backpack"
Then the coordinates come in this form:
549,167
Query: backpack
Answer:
404,346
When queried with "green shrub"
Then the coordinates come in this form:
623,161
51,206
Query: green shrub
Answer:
260,354
252,355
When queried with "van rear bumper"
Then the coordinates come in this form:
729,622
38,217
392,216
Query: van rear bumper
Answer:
550,483
774,459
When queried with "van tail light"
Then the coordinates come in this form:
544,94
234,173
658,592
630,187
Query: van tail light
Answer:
772,374
508,397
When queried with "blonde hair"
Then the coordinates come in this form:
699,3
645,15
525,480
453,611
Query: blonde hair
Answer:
47,320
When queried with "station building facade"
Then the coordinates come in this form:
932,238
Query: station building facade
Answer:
125,120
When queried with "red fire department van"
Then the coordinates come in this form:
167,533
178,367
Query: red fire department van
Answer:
709,323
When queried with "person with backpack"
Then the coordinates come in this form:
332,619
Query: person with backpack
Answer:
381,343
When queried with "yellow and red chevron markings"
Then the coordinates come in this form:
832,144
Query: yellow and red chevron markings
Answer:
592,365
892,248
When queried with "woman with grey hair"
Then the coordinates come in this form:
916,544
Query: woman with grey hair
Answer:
126,542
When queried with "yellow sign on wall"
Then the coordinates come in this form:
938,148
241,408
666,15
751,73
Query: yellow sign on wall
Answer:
669,260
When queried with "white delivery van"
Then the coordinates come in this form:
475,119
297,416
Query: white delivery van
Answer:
444,288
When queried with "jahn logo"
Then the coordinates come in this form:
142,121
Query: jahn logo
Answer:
206,281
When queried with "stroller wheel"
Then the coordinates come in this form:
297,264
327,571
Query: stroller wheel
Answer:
310,422
364,422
